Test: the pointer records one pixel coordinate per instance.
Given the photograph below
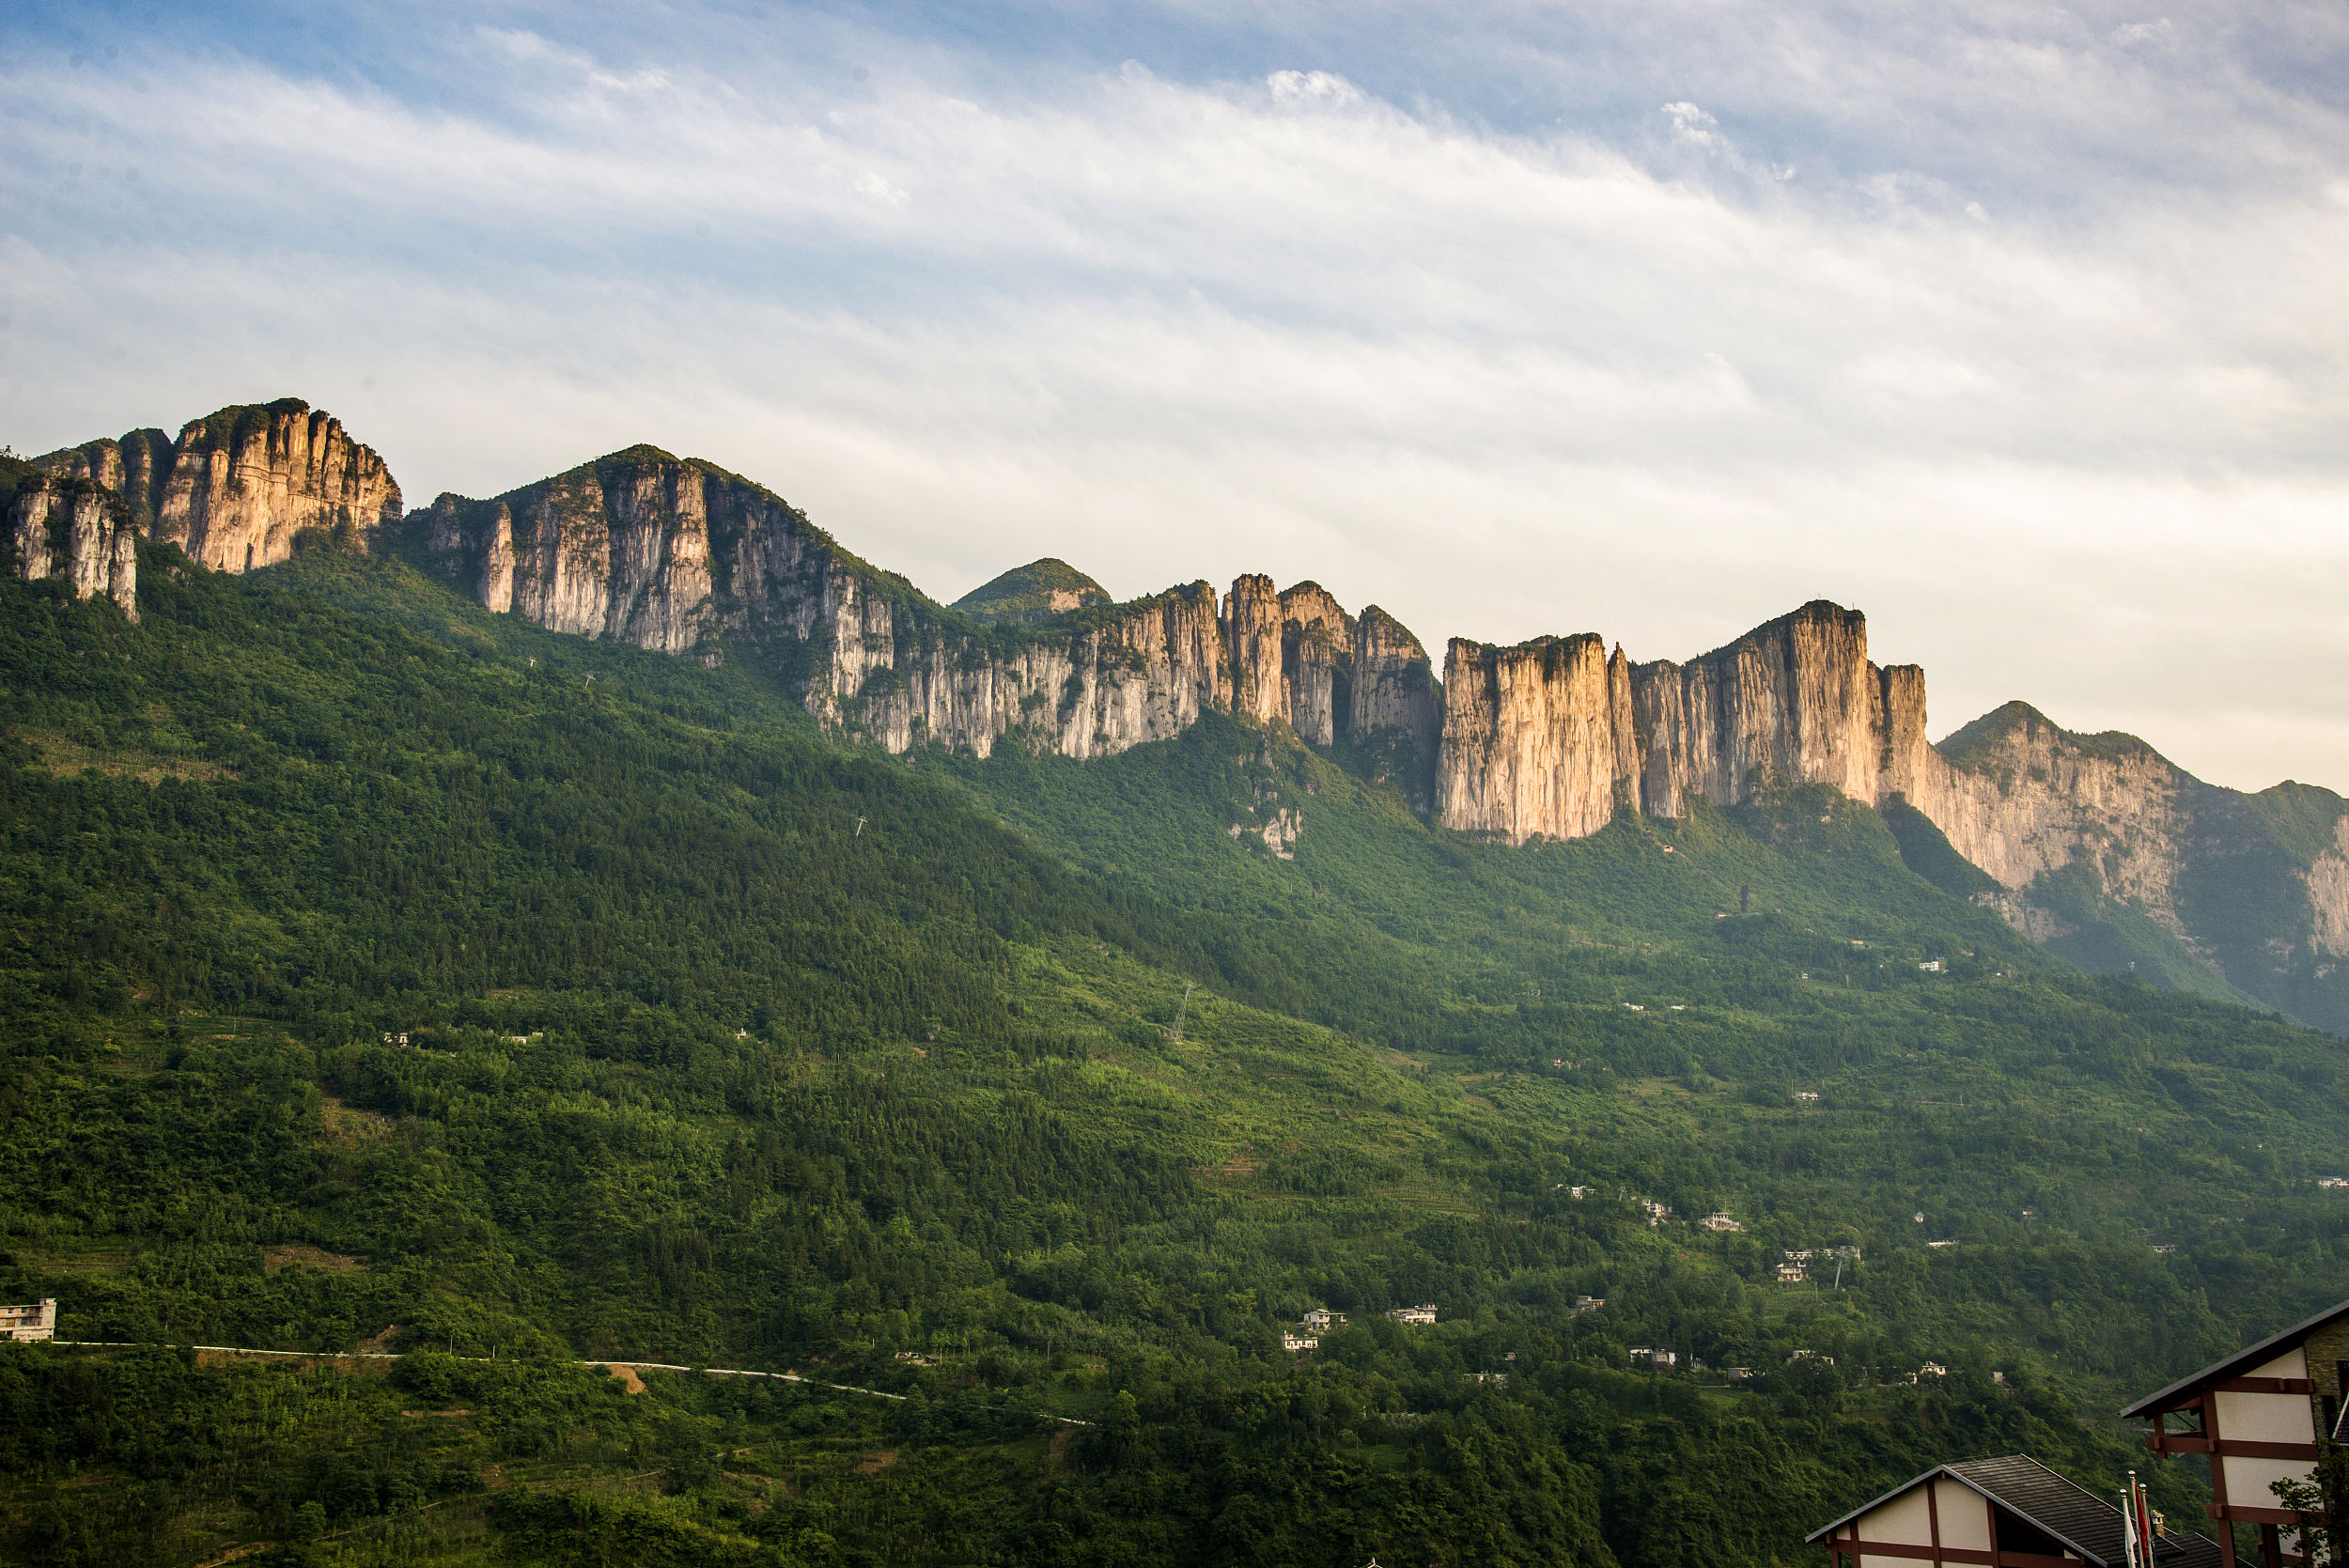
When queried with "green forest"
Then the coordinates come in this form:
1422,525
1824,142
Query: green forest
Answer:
379,975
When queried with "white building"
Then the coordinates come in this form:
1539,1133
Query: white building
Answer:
2006,1509
1298,1342
2258,1415
1656,1354
1719,1222
1413,1314
1321,1317
1589,1303
36,1320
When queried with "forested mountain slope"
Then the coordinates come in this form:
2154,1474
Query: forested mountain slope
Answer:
1031,1090
2093,844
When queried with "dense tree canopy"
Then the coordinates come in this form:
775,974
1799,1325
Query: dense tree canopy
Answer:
376,971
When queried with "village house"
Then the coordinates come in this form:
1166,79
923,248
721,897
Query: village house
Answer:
1657,1354
1298,1342
1589,1303
2005,1511
1719,1222
36,1320
1413,1314
2257,1415
1321,1317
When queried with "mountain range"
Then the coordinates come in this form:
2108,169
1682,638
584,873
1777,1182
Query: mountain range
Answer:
2094,845
1069,1051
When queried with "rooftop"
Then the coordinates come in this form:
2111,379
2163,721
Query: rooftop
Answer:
2074,1515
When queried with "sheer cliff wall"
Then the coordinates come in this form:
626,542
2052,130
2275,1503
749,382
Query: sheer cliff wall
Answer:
78,531
236,487
1553,738
677,555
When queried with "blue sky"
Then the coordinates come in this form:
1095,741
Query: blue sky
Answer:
2021,328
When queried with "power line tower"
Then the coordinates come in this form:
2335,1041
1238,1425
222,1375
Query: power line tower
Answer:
1182,1009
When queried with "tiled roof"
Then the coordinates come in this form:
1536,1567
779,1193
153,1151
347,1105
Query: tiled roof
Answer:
2079,1518
2068,1512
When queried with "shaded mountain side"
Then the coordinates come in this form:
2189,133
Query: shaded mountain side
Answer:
2119,859
1036,592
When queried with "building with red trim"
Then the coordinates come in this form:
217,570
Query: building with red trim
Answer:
2006,1512
2256,1415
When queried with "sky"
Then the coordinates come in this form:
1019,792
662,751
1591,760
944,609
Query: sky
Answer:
2023,328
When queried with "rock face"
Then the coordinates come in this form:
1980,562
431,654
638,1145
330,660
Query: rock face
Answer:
680,555
1793,701
80,531
2111,853
1396,712
2094,843
237,486
1316,664
637,547
2020,798
134,467
1554,736
1537,738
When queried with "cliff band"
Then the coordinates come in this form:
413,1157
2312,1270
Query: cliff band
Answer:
2093,840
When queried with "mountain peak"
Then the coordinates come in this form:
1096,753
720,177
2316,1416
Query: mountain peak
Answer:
1036,592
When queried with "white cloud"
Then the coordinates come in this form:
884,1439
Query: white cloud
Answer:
1501,381
1313,87
1696,128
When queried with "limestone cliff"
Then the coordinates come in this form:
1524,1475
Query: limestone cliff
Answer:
1537,738
1395,716
237,486
2093,844
1550,737
134,467
1792,702
1317,663
74,529
2118,858
1252,622
2020,798
680,555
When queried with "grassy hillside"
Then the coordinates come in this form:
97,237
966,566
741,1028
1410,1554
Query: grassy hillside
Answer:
1027,1091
